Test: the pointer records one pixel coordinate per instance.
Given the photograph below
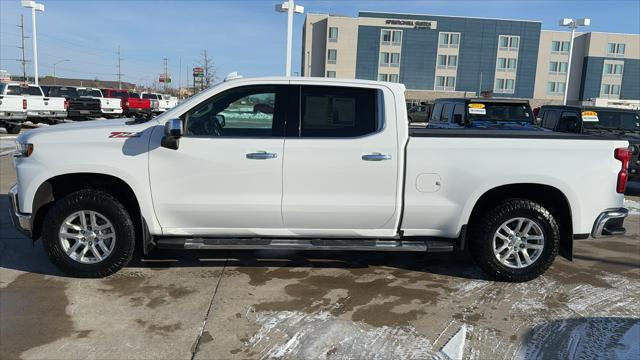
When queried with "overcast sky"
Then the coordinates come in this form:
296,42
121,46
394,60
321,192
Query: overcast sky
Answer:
244,36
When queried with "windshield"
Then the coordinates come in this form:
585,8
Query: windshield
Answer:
63,92
149,96
27,90
490,111
615,120
120,94
89,92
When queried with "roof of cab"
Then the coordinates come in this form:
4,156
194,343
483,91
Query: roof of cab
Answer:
587,107
323,80
484,100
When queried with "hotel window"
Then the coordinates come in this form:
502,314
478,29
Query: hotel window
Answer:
615,49
449,40
391,37
613,69
332,56
333,34
560,47
445,83
558,67
612,91
331,74
383,77
447,61
506,64
393,78
504,86
555,88
507,42
390,59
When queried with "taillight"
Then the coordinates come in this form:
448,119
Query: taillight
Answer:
624,155
66,104
24,104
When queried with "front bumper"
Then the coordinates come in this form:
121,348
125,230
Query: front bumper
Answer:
21,221
610,222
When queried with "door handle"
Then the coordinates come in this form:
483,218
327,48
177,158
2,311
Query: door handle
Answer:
261,155
376,157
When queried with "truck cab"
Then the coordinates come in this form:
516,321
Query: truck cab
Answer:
480,113
78,107
13,109
108,107
131,103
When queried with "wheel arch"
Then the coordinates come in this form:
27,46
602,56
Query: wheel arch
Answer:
62,185
550,197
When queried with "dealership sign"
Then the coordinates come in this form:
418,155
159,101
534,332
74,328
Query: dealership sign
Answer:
198,72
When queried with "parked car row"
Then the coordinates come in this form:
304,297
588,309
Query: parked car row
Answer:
20,102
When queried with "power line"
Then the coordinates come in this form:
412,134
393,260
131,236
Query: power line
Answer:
119,70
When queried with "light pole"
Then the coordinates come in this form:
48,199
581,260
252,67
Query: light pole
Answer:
54,69
573,24
289,7
34,6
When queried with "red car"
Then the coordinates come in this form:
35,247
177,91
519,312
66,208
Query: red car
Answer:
131,103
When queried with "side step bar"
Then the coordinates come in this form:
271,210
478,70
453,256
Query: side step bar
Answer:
304,244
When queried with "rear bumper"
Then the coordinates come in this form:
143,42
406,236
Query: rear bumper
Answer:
610,222
13,115
84,113
47,114
21,221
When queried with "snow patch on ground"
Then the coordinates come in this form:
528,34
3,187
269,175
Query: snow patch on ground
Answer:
633,206
454,348
293,334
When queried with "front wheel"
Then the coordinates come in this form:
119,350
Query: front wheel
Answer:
515,241
89,233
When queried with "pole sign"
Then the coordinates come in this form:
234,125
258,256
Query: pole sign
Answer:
198,72
165,79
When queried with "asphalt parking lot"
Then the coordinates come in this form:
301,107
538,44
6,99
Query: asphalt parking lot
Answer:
305,305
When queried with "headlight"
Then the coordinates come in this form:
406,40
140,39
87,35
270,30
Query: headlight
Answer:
23,149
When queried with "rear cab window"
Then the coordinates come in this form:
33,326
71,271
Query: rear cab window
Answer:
24,90
500,111
611,120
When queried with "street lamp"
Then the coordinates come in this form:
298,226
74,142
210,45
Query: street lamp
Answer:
54,69
289,7
572,24
34,6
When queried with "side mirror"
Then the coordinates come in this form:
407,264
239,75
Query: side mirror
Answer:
172,133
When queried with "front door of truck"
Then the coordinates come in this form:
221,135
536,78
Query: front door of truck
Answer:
341,166
225,178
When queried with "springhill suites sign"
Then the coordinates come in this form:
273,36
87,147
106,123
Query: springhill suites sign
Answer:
412,23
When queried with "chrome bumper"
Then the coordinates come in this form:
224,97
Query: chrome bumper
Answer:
21,221
609,222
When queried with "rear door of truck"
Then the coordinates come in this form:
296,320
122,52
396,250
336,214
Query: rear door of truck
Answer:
340,175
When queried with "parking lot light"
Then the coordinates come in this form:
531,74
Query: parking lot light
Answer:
289,7
34,6
572,24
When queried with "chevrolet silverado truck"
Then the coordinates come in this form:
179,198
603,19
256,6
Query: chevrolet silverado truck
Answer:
39,106
13,110
78,108
623,124
326,164
108,107
162,104
131,103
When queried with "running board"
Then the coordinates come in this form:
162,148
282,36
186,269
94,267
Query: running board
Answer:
304,244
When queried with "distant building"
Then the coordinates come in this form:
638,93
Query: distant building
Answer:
50,80
445,56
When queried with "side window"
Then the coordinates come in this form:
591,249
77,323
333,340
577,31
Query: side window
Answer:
446,113
250,111
569,122
327,111
550,119
435,114
458,114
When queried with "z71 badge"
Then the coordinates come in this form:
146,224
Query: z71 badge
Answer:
124,134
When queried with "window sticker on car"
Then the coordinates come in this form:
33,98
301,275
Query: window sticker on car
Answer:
477,109
590,116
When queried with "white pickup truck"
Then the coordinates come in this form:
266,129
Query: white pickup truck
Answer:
38,106
305,163
109,107
13,109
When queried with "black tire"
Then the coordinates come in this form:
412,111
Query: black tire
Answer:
12,128
113,210
481,243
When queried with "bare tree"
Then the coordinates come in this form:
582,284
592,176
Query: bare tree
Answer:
207,63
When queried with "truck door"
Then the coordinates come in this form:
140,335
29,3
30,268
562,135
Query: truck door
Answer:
341,165
226,176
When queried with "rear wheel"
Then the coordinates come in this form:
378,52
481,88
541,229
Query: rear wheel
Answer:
12,128
89,233
515,241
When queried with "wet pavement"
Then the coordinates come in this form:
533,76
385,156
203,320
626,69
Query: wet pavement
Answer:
318,305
